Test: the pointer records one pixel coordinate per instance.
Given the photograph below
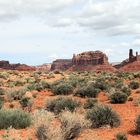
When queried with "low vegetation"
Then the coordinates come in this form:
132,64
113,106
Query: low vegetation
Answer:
61,103
14,118
102,115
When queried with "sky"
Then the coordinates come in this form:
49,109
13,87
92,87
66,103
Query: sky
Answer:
39,31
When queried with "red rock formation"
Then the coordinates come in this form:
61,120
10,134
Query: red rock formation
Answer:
85,61
8,66
23,67
90,58
44,67
131,67
130,64
61,64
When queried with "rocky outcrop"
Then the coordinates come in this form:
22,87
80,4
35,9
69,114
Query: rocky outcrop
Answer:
21,67
44,67
61,64
130,64
131,67
92,60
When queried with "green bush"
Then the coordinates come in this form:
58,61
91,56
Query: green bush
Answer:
1,102
102,115
62,89
90,103
134,85
39,86
25,102
61,103
15,94
121,136
126,90
118,97
14,118
101,84
88,91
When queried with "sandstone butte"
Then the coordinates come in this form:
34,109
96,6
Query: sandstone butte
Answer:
91,60
86,61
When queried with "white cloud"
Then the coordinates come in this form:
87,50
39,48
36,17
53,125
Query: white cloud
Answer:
136,42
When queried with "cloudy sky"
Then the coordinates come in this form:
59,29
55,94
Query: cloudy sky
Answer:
39,31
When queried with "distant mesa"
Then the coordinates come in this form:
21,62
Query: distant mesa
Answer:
91,60
21,67
44,67
130,64
86,61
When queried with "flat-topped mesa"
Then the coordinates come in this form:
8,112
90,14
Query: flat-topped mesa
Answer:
21,67
61,64
90,58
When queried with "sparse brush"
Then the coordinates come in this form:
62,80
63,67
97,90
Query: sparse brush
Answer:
61,103
102,115
15,118
121,136
88,91
16,94
134,85
72,124
90,103
118,97
62,89
45,130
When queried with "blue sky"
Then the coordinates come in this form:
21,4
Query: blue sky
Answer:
39,31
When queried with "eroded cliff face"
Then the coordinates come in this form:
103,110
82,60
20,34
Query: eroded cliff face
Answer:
92,60
130,64
61,64
8,66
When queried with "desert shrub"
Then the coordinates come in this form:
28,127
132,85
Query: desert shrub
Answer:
126,89
121,136
44,130
1,102
18,83
101,84
15,94
118,97
4,75
25,102
2,91
102,115
51,75
90,103
118,84
63,88
39,86
138,124
61,103
14,118
88,91
72,124
134,85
